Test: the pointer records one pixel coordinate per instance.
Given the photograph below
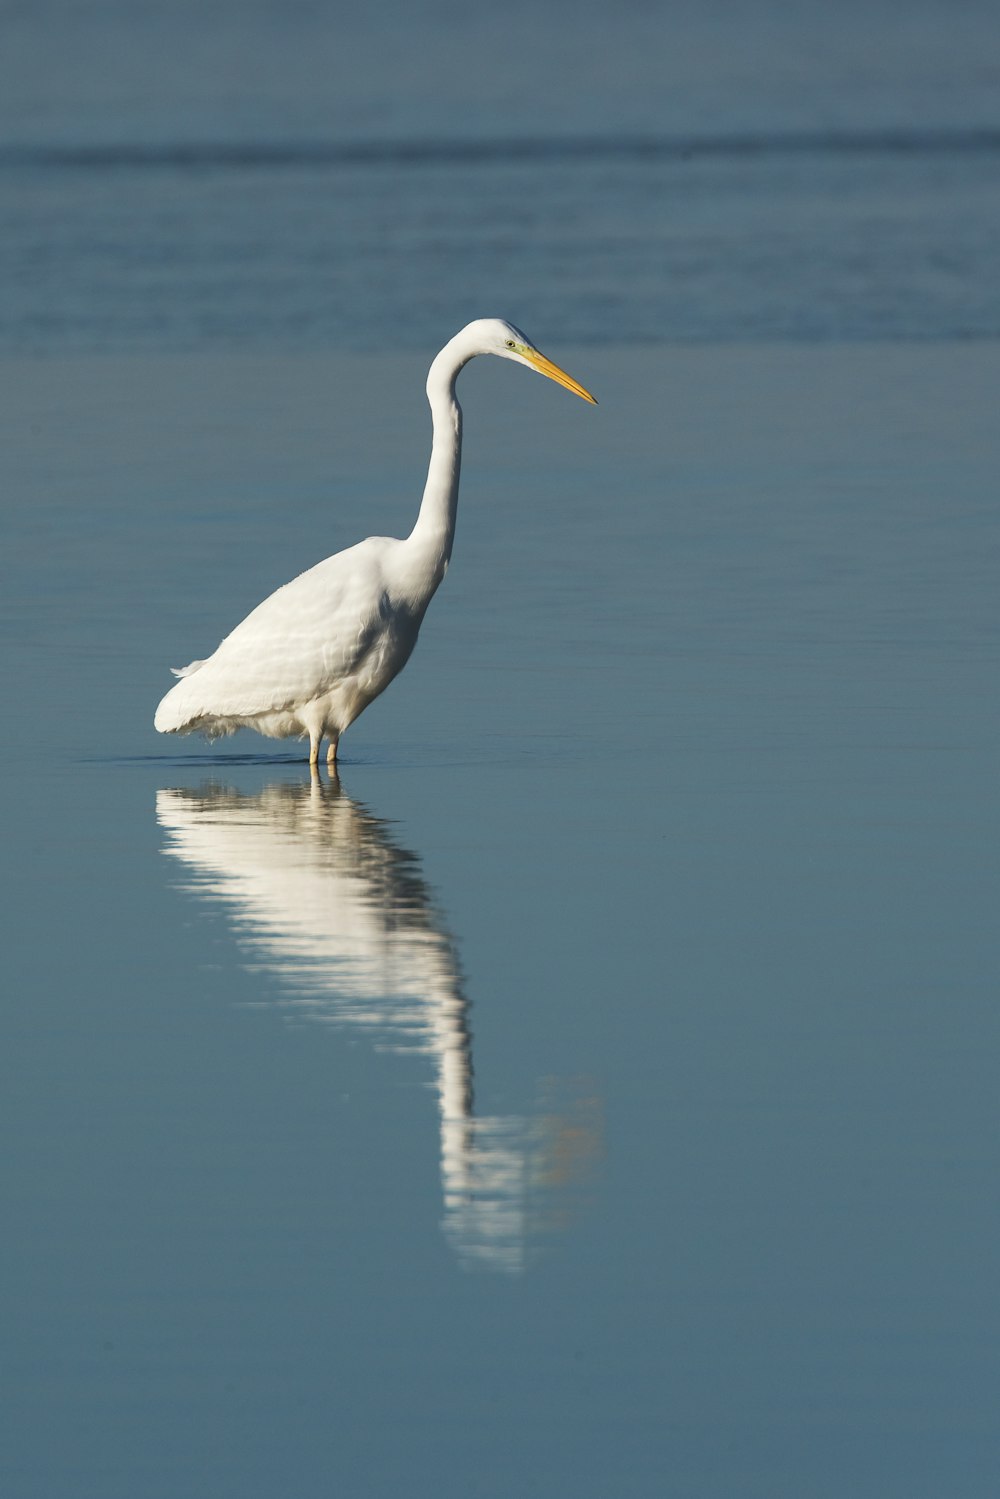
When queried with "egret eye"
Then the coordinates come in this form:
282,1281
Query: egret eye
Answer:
510,343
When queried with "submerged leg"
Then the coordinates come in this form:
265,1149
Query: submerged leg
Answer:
331,752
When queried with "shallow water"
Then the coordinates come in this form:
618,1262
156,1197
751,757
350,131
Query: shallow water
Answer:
593,1092
244,176
807,237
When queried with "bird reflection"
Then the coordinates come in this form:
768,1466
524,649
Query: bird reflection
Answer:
323,898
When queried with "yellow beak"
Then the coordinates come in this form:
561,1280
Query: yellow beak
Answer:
546,367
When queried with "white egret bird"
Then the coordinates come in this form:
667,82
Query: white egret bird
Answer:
309,659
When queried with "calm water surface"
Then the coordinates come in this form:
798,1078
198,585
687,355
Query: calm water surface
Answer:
238,175
593,1092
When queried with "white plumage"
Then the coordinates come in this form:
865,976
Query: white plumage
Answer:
309,659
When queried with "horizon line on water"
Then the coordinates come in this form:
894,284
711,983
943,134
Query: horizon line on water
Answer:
319,154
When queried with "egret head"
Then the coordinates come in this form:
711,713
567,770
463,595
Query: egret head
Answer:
495,336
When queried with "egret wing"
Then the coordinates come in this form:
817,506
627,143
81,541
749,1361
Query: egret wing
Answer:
294,646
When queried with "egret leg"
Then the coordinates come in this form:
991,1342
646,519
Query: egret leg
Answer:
313,749
331,751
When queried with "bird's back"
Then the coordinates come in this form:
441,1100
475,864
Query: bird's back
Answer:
294,648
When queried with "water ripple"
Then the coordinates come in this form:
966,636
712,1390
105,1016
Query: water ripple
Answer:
278,155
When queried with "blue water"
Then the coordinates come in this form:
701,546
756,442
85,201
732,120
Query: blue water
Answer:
255,177
804,237
593,1091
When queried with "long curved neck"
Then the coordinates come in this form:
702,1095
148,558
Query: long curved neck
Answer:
434,531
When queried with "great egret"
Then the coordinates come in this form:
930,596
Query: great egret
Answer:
309,659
